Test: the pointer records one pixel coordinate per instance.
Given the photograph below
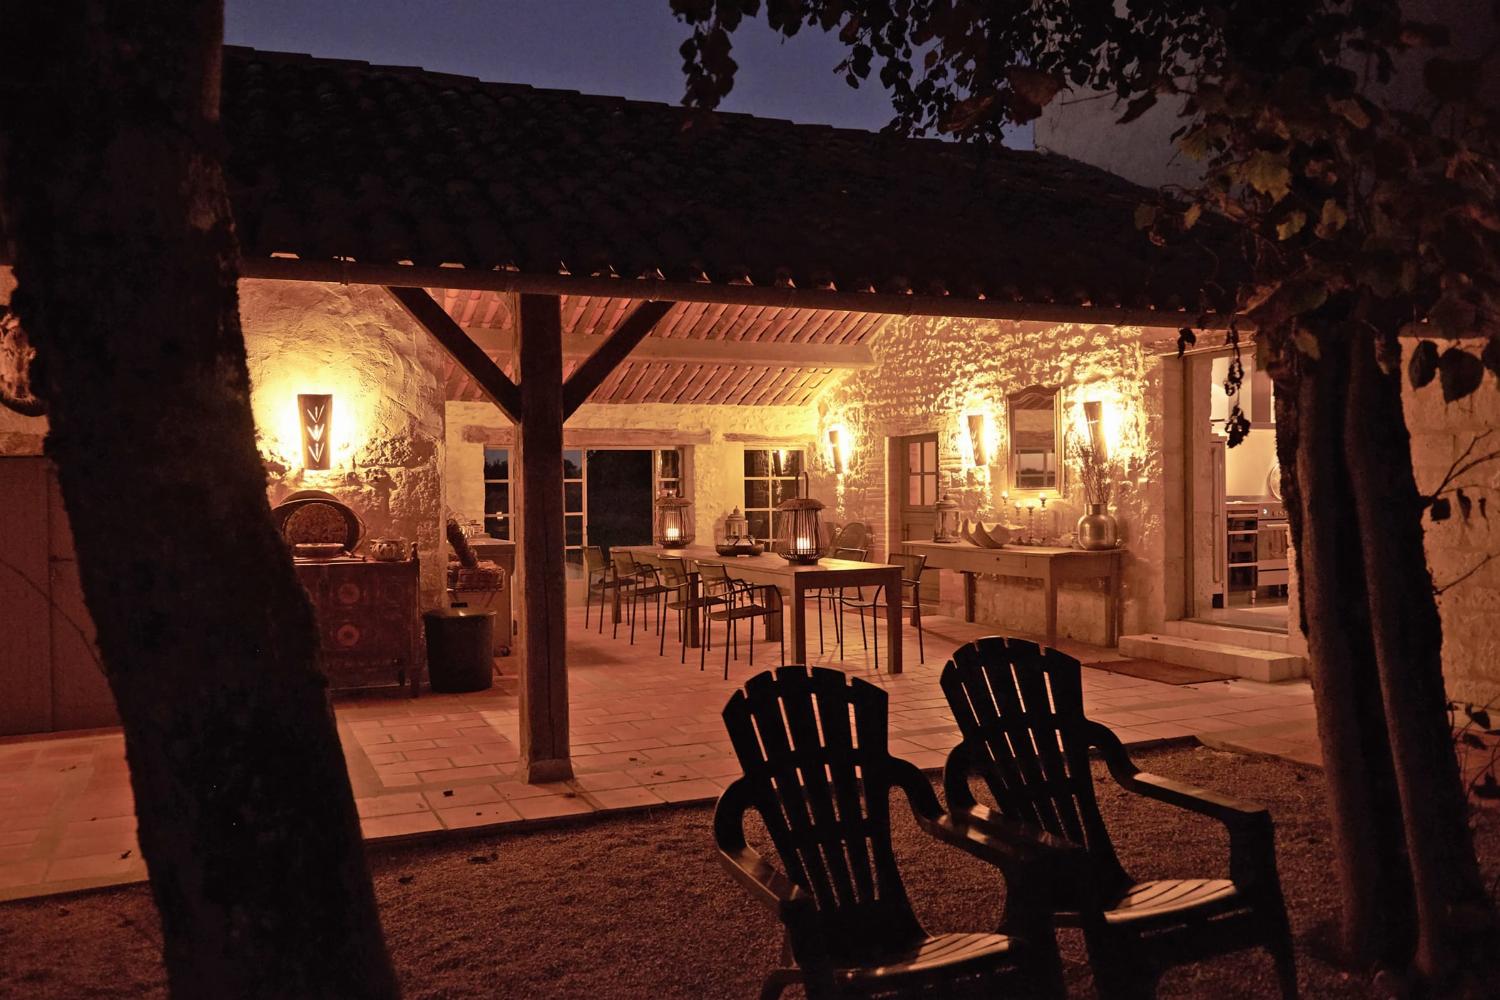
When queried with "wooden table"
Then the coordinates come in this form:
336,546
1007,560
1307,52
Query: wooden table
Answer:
1049,564
796,581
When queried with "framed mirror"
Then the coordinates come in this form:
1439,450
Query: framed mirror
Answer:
1035,433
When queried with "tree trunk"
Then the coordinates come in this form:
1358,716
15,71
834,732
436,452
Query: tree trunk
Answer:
113,197
1377,923
1456,918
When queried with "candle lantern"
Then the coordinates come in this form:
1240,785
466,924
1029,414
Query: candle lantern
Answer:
800,537
945,528
674,521
736,527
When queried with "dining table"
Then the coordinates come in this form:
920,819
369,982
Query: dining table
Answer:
795,581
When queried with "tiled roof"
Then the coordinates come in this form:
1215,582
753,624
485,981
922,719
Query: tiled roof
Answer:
335,158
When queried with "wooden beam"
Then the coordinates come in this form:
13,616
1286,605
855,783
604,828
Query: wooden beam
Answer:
595,437
610,352
468,355
357,273
542,583
693,351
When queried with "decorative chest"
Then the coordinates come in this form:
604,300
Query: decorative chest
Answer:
369,629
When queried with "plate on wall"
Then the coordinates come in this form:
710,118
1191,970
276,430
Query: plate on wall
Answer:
312,516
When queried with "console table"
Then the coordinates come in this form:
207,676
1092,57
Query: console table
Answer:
369,632
1049,564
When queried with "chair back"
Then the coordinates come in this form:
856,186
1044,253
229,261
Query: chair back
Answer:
911,566
714,576
854,535
857,555
1020,710
624,563
674,571
593,559
812,743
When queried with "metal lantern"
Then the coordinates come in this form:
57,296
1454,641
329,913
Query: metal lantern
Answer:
800,536
674,521
736,527
945,528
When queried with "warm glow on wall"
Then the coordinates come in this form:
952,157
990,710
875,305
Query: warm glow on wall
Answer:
840,443
981,438
315,415
1106,418
281,423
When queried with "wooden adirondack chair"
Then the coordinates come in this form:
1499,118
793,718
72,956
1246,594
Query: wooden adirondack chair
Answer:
1020,710
822,784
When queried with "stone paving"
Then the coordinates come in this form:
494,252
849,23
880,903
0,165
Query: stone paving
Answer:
645,731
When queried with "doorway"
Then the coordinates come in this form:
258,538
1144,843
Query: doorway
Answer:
919,495
1238,548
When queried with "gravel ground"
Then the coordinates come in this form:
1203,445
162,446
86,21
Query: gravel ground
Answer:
638,905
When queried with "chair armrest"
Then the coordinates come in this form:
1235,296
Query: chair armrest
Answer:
1225,808
772,888
1252,837
957,769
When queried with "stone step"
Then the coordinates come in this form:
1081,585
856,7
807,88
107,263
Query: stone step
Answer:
1229,635
1217,657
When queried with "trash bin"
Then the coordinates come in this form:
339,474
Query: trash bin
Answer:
459,649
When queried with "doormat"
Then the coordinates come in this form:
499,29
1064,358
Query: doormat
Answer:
1159,671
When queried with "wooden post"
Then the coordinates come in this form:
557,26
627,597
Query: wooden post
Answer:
539,550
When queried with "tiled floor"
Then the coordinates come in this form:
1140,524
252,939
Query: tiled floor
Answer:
645,731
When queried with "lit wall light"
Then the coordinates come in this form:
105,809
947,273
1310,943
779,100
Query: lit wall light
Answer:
314,412
838,448
979,445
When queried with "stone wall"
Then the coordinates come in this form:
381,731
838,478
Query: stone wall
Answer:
933,372
18,435
1440,433
384,373
387,424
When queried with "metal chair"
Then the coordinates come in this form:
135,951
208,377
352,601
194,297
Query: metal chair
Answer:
598,576
911,576
742,601
629,578
687,599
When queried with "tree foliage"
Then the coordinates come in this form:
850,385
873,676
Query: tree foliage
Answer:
1351,188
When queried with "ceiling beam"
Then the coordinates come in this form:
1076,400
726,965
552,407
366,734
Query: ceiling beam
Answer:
610,351
355,273
691,351
468,355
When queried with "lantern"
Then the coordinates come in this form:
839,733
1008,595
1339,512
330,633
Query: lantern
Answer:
674,522
800,538
736,527
945,528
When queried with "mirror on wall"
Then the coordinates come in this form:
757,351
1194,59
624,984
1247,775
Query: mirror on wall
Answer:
1035,432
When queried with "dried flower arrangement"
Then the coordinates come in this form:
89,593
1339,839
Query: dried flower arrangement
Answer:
1095,470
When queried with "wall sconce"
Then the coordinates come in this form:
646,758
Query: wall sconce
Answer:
1093,421
838,449
313,413
978,443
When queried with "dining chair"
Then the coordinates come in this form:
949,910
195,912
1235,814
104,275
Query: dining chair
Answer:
599,579
629,577
911,578
742,601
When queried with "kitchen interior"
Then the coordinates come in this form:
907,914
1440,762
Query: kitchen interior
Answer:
1247,546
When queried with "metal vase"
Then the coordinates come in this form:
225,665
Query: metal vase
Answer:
1097,528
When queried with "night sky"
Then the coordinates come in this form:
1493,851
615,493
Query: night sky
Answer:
620,47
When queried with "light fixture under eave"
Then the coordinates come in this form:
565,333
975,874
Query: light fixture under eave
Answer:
314,413
978,443
838,449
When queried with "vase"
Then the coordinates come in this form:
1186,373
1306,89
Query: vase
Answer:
1097,528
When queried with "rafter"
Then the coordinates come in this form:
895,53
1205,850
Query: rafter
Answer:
608,355
468,355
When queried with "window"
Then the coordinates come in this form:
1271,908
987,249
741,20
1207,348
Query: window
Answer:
619,514
497,492
574,538
669,472
772,475
921,471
